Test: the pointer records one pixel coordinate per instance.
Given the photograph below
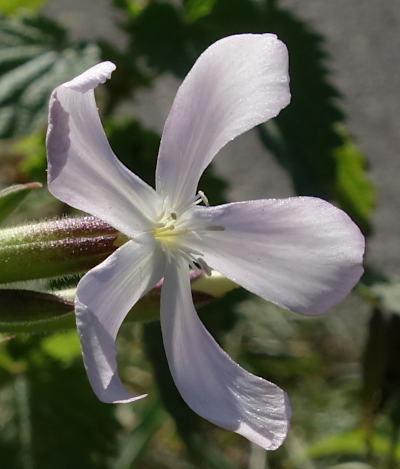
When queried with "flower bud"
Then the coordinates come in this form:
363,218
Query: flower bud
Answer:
55,248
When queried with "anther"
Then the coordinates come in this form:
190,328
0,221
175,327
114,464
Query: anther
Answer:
204,266
203,198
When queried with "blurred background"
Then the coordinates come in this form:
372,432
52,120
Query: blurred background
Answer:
337,140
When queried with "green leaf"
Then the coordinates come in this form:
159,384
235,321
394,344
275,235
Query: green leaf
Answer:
11,197
355,193
196,9
350,443
35,57
64,347
9,7
388,292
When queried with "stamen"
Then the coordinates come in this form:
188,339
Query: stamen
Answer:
192,264
203,198
197,199
188,258
204,266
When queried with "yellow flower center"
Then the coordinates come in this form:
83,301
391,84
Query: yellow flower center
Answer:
168,231
176,229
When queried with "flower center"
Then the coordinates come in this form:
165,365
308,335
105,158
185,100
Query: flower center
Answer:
176,229
168,231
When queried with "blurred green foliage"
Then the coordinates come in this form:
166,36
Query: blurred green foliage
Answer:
41,423
35,56
12,196
13,7
340,371
354,192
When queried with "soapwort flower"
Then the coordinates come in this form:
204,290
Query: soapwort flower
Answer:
300,253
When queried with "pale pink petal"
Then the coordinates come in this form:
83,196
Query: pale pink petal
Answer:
209,381
104,297
237,83
82,169
301,253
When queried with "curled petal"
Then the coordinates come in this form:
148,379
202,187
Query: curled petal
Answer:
301,253
82,169
104,297
211,383
237,83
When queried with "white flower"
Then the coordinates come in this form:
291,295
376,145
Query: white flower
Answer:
300,253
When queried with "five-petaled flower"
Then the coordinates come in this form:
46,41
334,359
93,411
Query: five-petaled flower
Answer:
300,253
